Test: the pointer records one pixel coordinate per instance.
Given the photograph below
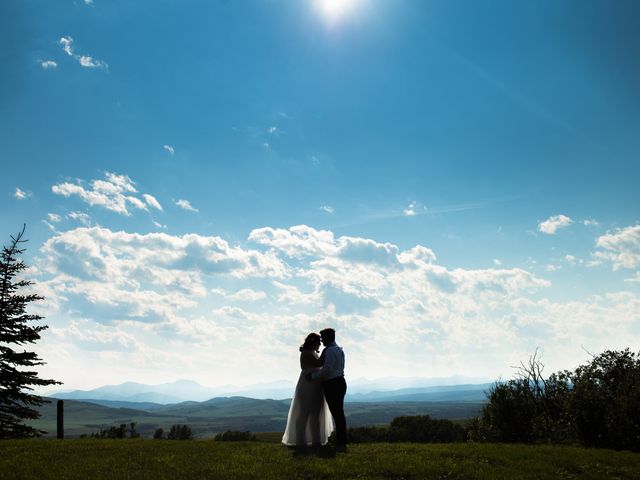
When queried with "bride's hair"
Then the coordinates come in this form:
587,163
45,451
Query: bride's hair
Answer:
310,342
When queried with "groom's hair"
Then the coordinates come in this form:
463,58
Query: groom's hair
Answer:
328,333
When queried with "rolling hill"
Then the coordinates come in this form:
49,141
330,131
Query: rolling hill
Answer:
231,413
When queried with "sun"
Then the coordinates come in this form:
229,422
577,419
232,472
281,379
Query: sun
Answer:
334,11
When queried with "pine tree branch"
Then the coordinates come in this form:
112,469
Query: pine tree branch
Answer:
16,380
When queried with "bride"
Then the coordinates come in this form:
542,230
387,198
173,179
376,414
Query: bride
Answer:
309,421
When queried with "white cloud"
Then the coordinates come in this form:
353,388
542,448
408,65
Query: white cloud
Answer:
169,149
185,205
417,254
115,193
159,225
327,209
81,217
573,260
552,224
54,217
291,295
416,208
50,226
93,337
634,279
86,61
497,262
621,248
67,44
248,295
46,64
352,274
410,211
590,222
151,201
151,277
136,202
89,2
273,130
20,194
303,241
396,305
297,241
361,250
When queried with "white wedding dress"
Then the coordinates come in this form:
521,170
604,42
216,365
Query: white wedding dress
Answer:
309,421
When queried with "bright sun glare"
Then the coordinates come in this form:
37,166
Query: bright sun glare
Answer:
335,10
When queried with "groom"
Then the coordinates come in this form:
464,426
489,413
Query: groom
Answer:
333,384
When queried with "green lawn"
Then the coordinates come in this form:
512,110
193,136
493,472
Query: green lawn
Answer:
134,459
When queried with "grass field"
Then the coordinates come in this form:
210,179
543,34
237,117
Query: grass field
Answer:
204,459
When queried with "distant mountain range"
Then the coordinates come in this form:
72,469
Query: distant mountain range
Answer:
176,392
445,393
166,393
360,390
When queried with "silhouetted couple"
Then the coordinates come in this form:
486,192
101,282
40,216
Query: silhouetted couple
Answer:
319,394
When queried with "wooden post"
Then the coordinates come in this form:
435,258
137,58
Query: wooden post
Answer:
60,419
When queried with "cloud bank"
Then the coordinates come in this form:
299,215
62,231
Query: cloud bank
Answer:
193,300
621,248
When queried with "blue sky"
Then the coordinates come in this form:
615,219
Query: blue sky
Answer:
298,152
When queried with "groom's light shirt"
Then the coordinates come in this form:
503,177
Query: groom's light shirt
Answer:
333,364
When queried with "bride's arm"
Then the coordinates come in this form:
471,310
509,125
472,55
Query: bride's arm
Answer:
311,360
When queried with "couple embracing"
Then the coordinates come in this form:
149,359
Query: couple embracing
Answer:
319,394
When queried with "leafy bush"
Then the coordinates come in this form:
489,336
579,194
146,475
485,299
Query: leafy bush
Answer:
158,434
366,434
424,429
606,401
597,405
420,428
180,432
123,431
236,436
510,413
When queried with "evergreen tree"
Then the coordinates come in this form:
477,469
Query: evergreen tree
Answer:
16,378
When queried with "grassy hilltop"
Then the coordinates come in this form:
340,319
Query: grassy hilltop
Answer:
134,459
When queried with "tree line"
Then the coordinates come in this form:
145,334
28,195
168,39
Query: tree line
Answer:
595,405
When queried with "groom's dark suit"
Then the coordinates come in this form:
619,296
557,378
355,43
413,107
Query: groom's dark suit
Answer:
334,387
